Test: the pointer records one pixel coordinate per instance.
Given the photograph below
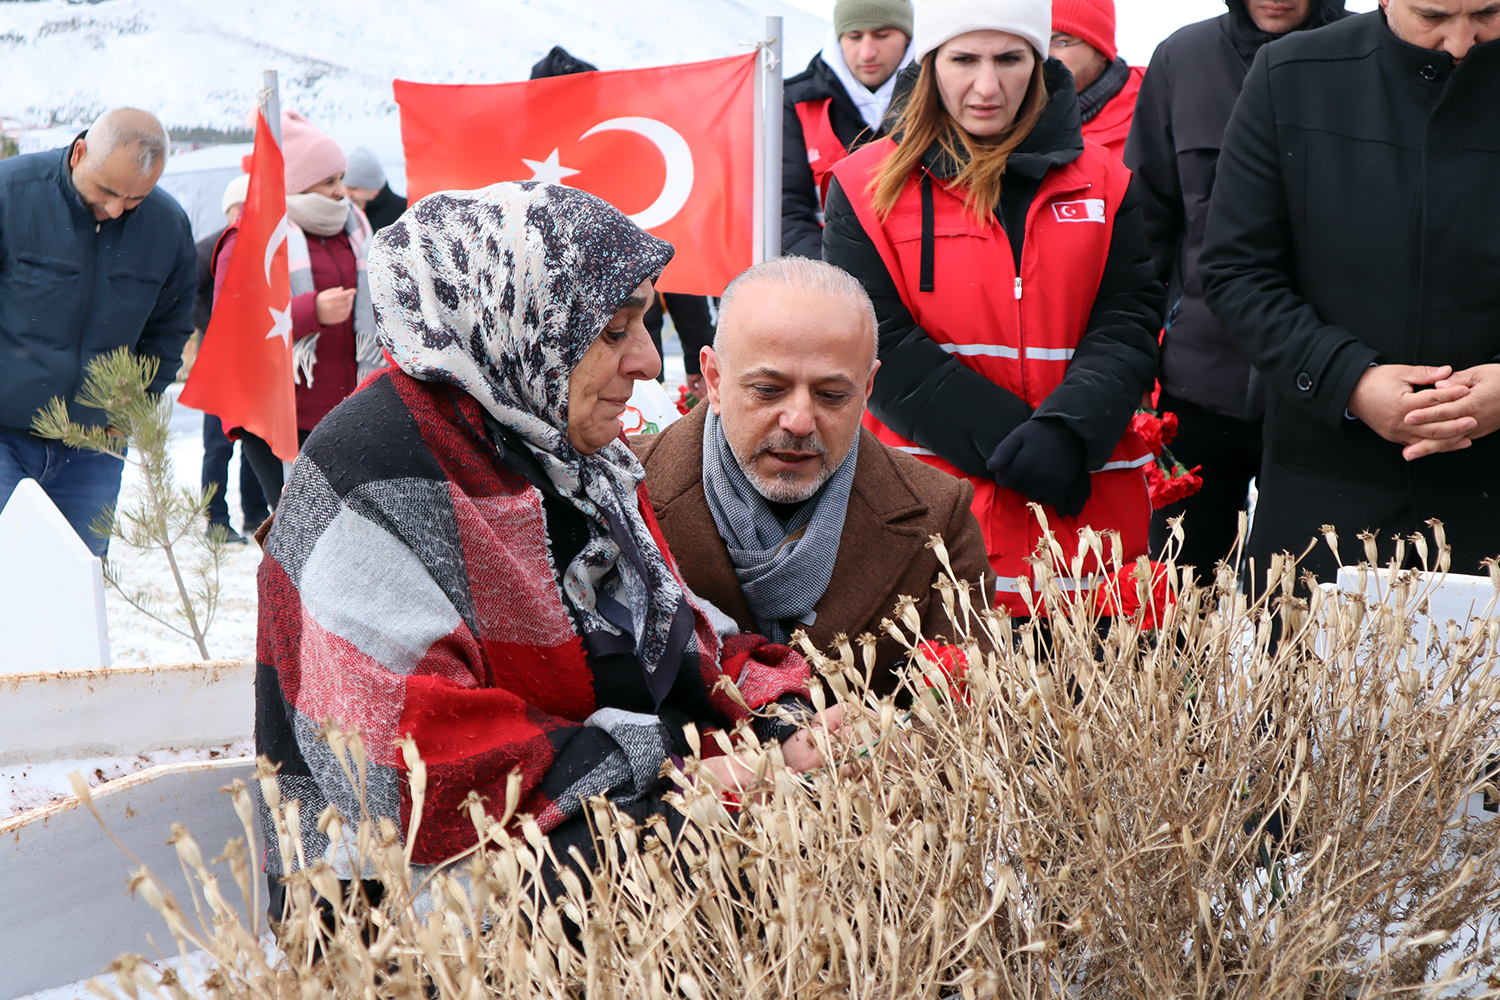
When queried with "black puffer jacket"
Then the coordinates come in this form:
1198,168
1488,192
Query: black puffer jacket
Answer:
801,231
929,396
1355,221
1185,101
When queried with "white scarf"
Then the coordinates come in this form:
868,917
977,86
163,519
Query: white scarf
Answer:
872,104
318,214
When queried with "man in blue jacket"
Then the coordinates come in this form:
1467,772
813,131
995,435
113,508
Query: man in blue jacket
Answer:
92,258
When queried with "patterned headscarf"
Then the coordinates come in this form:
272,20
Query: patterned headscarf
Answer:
500,292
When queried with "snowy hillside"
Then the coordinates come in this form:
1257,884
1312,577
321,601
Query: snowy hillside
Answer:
199,62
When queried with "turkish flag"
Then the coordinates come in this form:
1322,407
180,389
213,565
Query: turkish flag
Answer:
243,372
671,147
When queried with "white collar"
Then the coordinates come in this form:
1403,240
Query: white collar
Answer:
872,105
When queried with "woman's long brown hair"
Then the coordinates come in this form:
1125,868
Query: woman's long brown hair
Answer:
924,121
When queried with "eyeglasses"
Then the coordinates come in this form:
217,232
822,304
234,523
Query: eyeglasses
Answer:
1065,41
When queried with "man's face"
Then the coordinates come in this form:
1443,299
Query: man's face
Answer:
1277,17
113,185
1085,62
360,196
873,55
790,385
1453,26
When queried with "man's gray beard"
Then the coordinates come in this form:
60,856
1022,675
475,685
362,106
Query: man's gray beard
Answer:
786,490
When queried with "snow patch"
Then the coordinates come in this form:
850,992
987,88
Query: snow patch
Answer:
24,787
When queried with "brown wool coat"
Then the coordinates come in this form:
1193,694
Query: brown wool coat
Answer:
895,504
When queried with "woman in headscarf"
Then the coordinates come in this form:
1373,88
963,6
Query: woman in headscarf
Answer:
333,325
465,554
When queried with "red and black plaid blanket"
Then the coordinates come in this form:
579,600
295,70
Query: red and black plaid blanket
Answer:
408,588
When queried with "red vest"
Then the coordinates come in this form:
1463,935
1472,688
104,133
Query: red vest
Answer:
1111,126
823,146
1019,331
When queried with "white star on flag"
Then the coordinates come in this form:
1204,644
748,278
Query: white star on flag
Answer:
281,324
548,171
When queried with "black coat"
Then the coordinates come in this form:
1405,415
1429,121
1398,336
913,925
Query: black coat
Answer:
927,395
385,208
1185,101
801,228
1355,221
73,287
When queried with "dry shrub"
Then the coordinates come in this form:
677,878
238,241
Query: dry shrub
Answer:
1261,799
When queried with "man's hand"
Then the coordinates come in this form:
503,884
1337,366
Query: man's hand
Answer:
696,386
334,305
1386,394
1481,405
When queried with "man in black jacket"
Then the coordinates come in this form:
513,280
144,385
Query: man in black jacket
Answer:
1353,249
834,106
93,257
1185,101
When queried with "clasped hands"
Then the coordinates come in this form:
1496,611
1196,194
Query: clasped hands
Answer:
1450,413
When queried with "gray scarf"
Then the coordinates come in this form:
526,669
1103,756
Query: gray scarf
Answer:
1093,98
783,569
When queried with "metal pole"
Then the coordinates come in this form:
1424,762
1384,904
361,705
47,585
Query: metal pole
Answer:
772,128
271,104
758,160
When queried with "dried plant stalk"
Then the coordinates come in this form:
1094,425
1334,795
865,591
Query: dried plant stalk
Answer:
1259,799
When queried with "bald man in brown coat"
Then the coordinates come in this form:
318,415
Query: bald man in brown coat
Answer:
778,507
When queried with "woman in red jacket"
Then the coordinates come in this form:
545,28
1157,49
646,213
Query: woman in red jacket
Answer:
333,323
1017,320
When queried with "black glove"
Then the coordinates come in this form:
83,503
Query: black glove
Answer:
1044,461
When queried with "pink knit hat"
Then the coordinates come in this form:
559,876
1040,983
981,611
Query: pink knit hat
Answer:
309,154
1091,20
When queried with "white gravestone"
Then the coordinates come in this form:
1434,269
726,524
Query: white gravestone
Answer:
51,590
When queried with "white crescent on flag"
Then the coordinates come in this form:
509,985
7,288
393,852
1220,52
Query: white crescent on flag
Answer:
674,149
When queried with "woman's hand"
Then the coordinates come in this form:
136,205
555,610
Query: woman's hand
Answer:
1044,461
334,305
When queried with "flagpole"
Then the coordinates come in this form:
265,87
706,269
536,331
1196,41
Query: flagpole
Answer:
758,159
771,127
270,103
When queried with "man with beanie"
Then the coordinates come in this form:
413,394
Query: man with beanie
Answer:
1189,90
1083,39
93,257
836,105
368,189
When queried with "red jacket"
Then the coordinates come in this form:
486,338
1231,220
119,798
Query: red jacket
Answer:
1019,331
1111,126
336,373
824,147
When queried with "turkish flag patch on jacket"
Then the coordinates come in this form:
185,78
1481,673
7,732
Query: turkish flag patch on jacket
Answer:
671,147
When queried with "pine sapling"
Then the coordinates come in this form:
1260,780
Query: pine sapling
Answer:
158,514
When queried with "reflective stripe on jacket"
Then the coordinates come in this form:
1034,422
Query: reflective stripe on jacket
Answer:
959,280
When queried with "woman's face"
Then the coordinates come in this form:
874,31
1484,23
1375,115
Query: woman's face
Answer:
600,387
329,187
982,77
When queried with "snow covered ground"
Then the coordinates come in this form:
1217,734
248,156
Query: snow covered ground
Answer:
28,786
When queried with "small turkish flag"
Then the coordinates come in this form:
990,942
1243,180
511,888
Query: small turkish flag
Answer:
671,147
243,372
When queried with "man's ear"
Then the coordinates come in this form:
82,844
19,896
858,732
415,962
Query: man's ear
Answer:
80,151
708,364
870,382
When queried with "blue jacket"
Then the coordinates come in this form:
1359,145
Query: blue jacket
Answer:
73,288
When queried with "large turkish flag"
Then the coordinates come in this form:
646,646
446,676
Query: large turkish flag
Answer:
671,147
243,372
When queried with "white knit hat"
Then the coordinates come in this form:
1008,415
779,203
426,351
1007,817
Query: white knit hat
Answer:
937,21
235,192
